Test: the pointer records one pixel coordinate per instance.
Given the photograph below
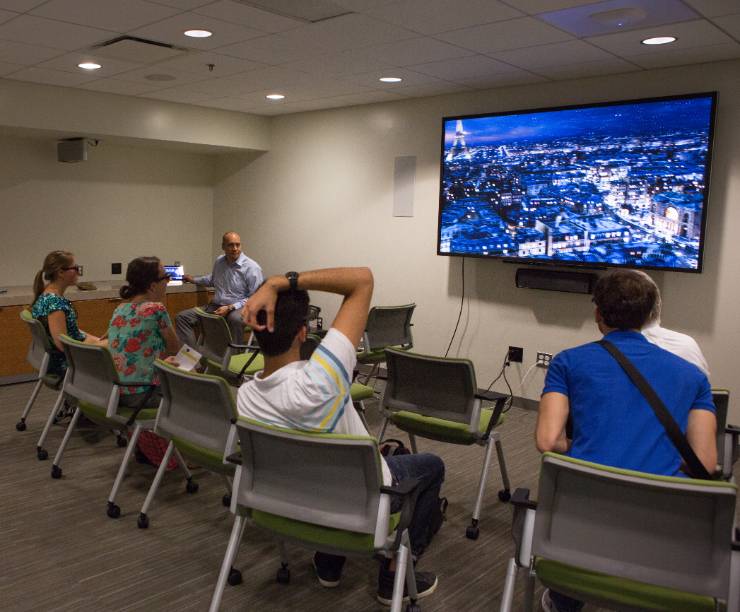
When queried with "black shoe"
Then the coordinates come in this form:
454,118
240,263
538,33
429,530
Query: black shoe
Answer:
426,584
328,569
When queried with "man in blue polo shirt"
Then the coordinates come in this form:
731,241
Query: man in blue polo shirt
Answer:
613,424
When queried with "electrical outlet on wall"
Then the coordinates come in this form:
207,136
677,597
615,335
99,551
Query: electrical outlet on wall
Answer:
543,359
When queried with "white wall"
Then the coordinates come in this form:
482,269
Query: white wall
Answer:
323,195
123,202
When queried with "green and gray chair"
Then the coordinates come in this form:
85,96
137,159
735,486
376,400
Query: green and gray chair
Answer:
728,436
387,326
437,398
39,356
195,416
93,381
323,492
626,540
227,358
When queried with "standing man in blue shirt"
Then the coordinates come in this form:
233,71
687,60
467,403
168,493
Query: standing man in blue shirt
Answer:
235,277
613,423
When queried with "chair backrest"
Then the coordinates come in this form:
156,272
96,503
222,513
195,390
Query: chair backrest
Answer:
433,386
91,374
721,399
309,346
330,480
38,351
215,335
388,326
659,530
196,408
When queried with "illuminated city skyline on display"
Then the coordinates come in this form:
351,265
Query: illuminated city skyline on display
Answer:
618,184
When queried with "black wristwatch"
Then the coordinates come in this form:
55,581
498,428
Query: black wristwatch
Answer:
292,279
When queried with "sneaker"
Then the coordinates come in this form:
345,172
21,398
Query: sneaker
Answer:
426,584
328,569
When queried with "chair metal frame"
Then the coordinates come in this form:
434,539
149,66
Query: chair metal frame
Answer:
728,436
445,388
92,378
282,473
674,533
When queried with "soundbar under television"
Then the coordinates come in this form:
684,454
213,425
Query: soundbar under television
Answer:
611,184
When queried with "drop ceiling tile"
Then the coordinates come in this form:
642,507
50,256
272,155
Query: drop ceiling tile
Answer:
183,5
584,21
418,51
254,80
51,77
117,86
557,54
347,32
274,49
198,61
230,103
68,63
352,61
139,75
533,7
20,6
235,12
509,79
177,94
730,24
49,33
141,53
222,87
577,70
464,68
20,53
362,6
6,68
715,8
689,34
692,55
437,89
503,35
434,16
105,14
410,77
171,31
7,16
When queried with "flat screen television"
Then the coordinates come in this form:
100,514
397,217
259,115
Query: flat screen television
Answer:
609,184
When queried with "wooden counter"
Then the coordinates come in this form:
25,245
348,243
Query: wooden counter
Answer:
94,310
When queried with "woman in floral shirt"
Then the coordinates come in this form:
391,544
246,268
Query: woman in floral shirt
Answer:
140,332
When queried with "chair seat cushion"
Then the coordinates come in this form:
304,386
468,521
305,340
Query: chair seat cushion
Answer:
605,589
237,363
204,457
97,414
319,536
441,429
359,392
376,355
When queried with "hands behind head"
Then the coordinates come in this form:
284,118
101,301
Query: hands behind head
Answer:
263,299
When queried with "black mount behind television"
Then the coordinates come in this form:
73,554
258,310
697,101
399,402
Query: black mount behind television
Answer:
556,280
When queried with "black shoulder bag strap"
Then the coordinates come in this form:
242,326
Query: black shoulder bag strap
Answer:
695,467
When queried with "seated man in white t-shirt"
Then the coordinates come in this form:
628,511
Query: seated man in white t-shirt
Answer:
314,395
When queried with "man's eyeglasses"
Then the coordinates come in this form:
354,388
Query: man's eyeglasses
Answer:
164,277
78,268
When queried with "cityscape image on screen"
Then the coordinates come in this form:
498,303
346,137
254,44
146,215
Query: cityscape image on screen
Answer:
617,184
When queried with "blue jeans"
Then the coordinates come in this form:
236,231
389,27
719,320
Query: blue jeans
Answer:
430,470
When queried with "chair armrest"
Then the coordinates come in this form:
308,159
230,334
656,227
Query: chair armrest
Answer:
489,396
235,458
407,489
520,499
497,411
732,429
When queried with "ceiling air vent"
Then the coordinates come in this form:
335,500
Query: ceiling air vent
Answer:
139,50
309,11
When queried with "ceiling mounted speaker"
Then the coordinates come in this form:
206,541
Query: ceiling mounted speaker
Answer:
620,18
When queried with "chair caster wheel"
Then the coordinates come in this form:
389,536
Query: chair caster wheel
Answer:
472,532
56,472
191,487
412,607
235,577
226,500
113,511
143,521
42,454
121,442
283,575
20,425
504,495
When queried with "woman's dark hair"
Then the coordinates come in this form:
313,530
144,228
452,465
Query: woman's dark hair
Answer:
54,263
625,299
291,311
140,274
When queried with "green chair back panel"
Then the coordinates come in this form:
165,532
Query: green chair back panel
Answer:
203,457
440,429
40,342
215,335
601,588
236,363
388,326
97,414
93,376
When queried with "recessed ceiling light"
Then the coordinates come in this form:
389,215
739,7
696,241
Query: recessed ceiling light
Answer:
390,79
198,33
89,66
275,96
659,40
